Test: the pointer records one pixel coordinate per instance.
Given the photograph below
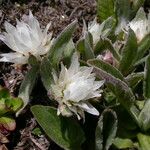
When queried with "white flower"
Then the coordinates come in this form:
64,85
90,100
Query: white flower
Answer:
100,30
25,39
74,87
140,24
95,29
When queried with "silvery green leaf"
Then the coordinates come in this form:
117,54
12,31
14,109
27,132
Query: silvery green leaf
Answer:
46,73
64,131
134,78
84,46
106,130
105,9
146,86
129,52
59,45
144,117
28,83
143,47
122,91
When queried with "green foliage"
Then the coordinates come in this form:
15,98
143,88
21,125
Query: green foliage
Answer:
123,143
105,9
29,81
8,107
129,52
106,130
60,44
144,141
64,131
147,78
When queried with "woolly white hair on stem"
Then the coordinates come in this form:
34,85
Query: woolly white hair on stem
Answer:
74,87
25,39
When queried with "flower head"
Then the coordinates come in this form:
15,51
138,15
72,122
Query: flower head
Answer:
74,87
140,24
26,39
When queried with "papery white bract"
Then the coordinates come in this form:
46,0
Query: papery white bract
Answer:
74,87
140,24
100,30
25,39
95,29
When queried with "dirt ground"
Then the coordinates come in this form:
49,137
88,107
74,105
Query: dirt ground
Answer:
60,13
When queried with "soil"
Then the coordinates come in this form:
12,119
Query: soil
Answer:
60,13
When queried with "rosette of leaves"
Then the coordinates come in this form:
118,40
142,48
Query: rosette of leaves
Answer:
8,107
122,60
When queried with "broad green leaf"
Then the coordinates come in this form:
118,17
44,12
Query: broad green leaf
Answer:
65,132
146,86
105,9
59,46
144,141
28,84
134,78
106,130
107,68
105,44
144,117
129,53
123,143
121,89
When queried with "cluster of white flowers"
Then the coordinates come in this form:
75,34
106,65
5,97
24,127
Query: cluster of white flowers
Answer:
140,24
26,39
74,87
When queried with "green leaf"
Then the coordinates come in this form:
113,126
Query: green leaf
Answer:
136,4
122,10
106,130
63,131
144,117
88,51
105,44
143,47
28,84
84,46
144,141
107,67
46,73
146,86
4,93
59,46
105,9
123,143
119,88
134,78
129,53
14,104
